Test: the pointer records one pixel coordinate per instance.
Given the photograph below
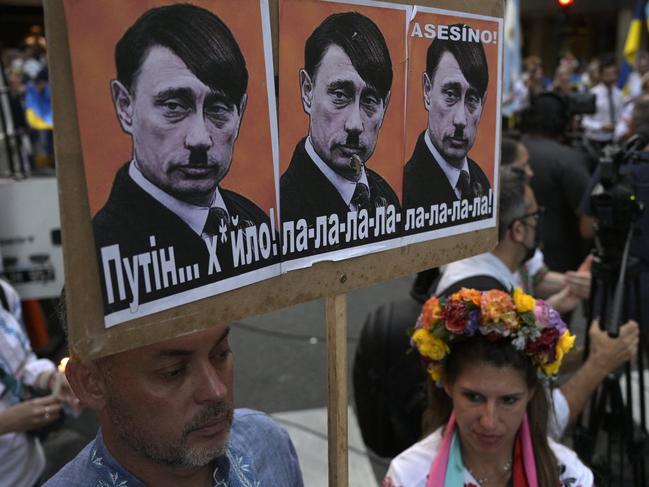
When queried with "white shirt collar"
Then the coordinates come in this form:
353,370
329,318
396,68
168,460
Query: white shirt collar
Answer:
452,172
192,215
343,185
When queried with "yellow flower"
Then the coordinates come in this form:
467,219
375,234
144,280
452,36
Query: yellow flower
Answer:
428,345
524,302
564,344
553,368
435,372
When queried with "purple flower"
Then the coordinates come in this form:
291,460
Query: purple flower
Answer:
546,316
473,323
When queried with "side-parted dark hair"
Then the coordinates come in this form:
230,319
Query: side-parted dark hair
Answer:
476,351
469,55
197,36
361,40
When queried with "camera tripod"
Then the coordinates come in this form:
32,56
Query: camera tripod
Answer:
615,297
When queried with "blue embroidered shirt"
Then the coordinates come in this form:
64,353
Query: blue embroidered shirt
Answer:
260,454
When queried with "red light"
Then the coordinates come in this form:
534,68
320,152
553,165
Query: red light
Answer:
565,3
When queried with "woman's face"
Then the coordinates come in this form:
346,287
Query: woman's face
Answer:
489,404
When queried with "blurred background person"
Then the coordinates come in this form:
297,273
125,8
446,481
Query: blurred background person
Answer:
22,412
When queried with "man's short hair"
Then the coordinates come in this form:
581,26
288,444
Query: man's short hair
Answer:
469,55
363,43
512,203
508,150
197,36
548,114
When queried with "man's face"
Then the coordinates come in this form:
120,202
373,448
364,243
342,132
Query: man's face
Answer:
183,132
454,109
345,112
609,75
171,402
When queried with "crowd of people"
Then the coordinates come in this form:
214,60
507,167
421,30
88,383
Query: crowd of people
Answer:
26,76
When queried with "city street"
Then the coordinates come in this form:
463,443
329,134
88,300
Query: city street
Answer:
280,369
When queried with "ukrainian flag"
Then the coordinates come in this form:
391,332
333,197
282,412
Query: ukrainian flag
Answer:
632,44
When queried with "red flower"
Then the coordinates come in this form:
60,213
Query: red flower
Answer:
455,315
545,344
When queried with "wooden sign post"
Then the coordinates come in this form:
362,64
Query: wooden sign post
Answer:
336,323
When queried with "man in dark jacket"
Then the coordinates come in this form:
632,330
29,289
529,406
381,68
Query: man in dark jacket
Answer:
439,171
345,89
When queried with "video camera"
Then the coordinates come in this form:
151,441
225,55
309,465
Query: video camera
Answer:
580,103
614,201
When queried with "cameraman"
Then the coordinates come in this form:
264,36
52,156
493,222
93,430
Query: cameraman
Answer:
638,174
23,460
559,182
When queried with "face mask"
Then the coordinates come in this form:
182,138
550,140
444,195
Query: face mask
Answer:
530,251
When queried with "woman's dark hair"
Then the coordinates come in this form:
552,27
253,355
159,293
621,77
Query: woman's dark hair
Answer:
500,354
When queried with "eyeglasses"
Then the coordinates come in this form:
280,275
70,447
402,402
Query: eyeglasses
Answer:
536,215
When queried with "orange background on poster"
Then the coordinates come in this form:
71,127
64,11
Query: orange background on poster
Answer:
297,20
95,27
417,116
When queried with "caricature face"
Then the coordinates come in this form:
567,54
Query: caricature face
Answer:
183,132
454,109
171,403
489,404
345,112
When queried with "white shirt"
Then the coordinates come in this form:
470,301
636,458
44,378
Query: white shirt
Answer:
410,468
22,458
452,173
344,186
192,215
593,123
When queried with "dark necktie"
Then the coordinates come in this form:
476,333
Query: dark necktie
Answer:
611,105
361,196
463,185
217,219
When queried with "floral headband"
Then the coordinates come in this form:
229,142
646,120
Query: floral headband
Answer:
532,326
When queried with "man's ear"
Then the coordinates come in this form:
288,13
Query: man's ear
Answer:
517,231
427,89
306,90
123,102
87,382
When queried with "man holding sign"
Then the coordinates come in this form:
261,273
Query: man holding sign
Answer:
180,94
345,90
454,88
167,418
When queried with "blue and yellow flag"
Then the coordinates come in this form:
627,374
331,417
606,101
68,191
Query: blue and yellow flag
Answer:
632,44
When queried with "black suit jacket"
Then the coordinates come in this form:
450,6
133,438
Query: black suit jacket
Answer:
425,184
306,193
131,216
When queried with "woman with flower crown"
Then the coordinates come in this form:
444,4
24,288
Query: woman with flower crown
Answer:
487,354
